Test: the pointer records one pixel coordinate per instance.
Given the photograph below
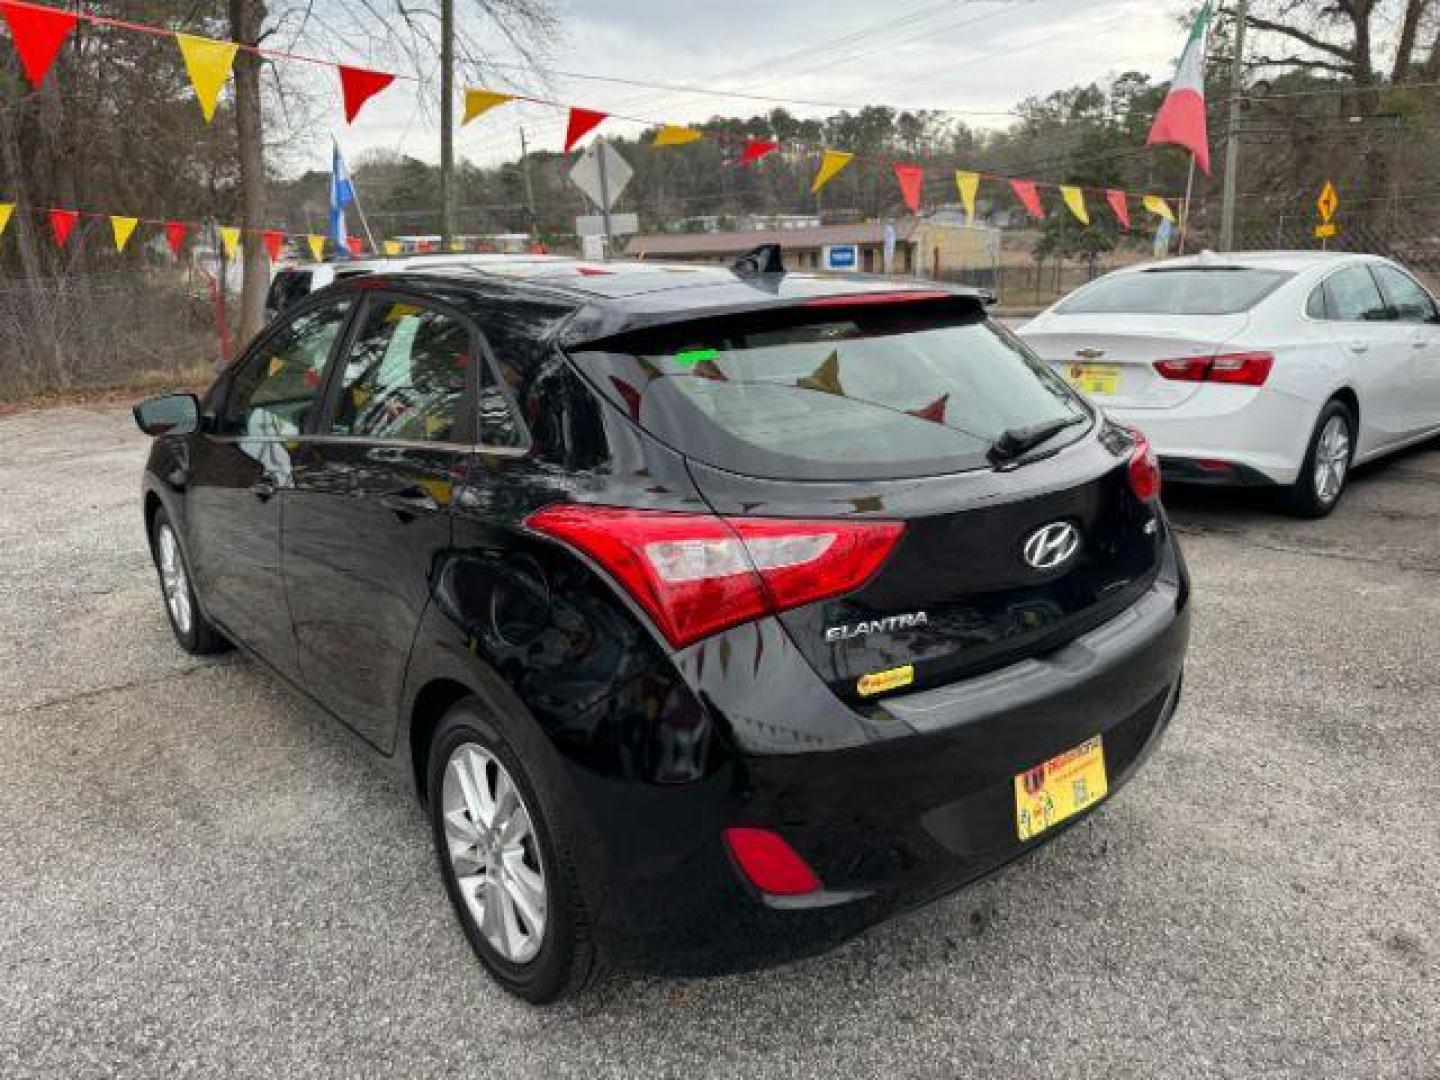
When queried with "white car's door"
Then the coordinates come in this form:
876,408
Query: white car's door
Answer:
1412,307
1380,352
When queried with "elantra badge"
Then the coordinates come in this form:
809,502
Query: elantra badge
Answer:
1052,546
877,626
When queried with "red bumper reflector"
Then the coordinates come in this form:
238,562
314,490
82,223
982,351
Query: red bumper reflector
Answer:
770,864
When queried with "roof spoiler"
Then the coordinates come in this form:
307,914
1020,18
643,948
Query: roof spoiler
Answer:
764,259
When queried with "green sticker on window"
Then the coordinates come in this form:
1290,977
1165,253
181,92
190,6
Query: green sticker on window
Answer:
691,357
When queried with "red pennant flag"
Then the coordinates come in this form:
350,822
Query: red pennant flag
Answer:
175,236
62,224
1116,198
755,149
355,244
912,179
274,244
38,33
1028,196
582,122
359,85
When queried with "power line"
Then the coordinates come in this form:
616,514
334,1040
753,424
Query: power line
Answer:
709,91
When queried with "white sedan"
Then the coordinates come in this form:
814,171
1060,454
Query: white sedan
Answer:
1276,368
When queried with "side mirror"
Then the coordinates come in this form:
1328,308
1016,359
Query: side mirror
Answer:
171,414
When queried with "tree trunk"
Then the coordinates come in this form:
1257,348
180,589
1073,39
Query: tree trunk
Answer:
246,19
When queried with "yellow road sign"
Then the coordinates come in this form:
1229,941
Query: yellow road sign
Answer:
1328,202
1324,232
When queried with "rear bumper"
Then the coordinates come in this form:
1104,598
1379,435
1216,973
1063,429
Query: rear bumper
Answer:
1261,433
893,824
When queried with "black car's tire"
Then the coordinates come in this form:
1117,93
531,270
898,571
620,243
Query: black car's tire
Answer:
194,632
565,962
1317,490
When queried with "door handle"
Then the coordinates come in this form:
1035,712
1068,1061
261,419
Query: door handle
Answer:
1359,346
407,502
263,488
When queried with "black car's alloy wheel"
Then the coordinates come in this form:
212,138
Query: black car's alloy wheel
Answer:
193,631
505,863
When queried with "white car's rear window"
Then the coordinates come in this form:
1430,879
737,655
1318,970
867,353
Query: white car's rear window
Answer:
1219,290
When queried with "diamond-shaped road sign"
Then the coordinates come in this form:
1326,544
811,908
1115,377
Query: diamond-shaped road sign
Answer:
586,173
1328,202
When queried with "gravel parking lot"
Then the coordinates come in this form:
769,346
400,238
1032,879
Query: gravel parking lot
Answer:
199,875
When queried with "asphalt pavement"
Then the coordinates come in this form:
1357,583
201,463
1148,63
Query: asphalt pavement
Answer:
201,876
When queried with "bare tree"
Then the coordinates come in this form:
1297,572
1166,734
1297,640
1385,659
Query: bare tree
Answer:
1340,36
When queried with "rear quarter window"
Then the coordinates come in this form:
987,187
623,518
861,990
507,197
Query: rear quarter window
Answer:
1182,291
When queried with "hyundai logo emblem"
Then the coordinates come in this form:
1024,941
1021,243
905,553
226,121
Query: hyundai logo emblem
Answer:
1052,546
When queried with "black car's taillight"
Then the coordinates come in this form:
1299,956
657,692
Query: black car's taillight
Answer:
1144,468
697,574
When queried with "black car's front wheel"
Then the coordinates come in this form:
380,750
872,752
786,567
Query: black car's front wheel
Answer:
192,630
505,859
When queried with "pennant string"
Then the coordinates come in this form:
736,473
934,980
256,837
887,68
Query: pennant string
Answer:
39,31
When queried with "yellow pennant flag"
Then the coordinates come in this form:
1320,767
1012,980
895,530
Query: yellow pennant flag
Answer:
124,228
479,102
968,184
229,240
6,209
1157,205
317,247
392,247
1075,199
675,135
208,63
830,165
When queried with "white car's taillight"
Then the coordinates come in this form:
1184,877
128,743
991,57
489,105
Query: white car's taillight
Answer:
1240,369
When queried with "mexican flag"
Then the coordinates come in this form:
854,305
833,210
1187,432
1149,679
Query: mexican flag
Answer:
1181,119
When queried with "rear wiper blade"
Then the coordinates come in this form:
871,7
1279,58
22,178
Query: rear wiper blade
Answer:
1017,440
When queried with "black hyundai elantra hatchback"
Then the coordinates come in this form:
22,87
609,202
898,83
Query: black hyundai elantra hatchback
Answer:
714,614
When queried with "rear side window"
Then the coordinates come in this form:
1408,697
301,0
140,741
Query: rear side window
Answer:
868,392
404,375
1187,291
1351,295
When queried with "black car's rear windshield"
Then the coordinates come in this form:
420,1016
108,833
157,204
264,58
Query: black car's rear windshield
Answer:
1218,290
863,392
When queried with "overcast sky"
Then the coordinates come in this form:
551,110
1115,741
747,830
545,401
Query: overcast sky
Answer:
976,57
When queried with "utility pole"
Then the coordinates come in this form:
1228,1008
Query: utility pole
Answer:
1232,136
529,188
447,124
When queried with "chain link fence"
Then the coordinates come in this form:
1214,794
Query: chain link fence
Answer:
1412,240
91,331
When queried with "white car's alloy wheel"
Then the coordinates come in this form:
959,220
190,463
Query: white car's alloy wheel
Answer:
490,838
1332,459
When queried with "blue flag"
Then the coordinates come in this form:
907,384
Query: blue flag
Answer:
342,194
